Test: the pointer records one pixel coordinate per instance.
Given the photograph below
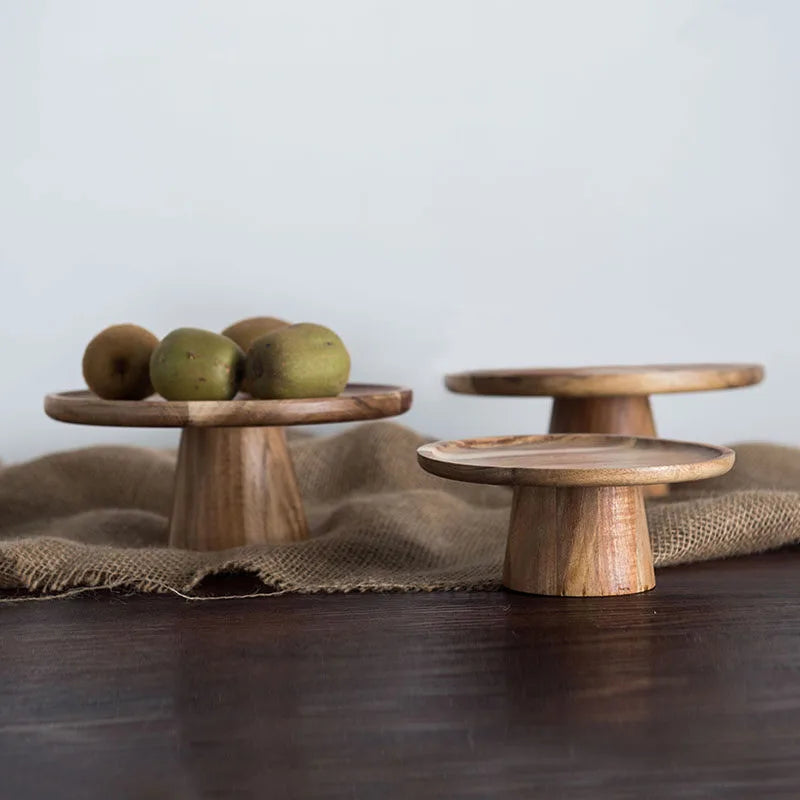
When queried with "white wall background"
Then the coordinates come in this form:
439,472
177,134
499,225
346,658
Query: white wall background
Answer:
446,183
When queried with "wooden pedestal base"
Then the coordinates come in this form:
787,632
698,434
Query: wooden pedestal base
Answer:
578,540
578,525
626,415
235,486
235,483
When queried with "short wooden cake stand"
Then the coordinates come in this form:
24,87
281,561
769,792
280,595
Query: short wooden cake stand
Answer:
605,399
235,483
578,524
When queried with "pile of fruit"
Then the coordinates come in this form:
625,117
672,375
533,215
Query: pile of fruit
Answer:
263,356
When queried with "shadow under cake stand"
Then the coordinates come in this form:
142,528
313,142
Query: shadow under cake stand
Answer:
605,399
578,525
235,483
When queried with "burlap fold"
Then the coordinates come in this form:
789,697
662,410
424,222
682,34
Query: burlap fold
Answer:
98,517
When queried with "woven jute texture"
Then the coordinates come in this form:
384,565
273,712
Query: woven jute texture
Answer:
98,517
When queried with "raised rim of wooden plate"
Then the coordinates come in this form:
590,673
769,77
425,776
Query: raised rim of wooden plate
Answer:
359,401
659,460
605,381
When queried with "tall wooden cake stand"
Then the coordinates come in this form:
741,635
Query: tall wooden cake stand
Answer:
605,399
235,483
578,524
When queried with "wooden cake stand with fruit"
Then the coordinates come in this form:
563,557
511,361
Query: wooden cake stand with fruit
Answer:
605,399
235,483
578,525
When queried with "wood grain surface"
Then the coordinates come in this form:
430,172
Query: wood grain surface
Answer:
688,691
234,487
605,381
628,416
358,402
578,541
573,460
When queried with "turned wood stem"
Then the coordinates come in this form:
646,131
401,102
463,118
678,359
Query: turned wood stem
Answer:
630,415
578,541
235,486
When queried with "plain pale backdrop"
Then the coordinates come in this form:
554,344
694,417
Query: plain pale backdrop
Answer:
447,184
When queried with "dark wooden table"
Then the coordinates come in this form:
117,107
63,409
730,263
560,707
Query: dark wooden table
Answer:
690,691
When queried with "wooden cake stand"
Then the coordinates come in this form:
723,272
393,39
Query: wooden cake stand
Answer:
235,483
578,524
605,399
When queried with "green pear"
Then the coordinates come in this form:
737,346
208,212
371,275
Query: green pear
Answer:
193,364
303,360
246,331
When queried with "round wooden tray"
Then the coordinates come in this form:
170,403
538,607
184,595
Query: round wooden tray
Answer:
574,460
359,401
605,381
235,483
578,524
605,399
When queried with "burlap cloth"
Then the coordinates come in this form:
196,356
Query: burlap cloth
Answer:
98,517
